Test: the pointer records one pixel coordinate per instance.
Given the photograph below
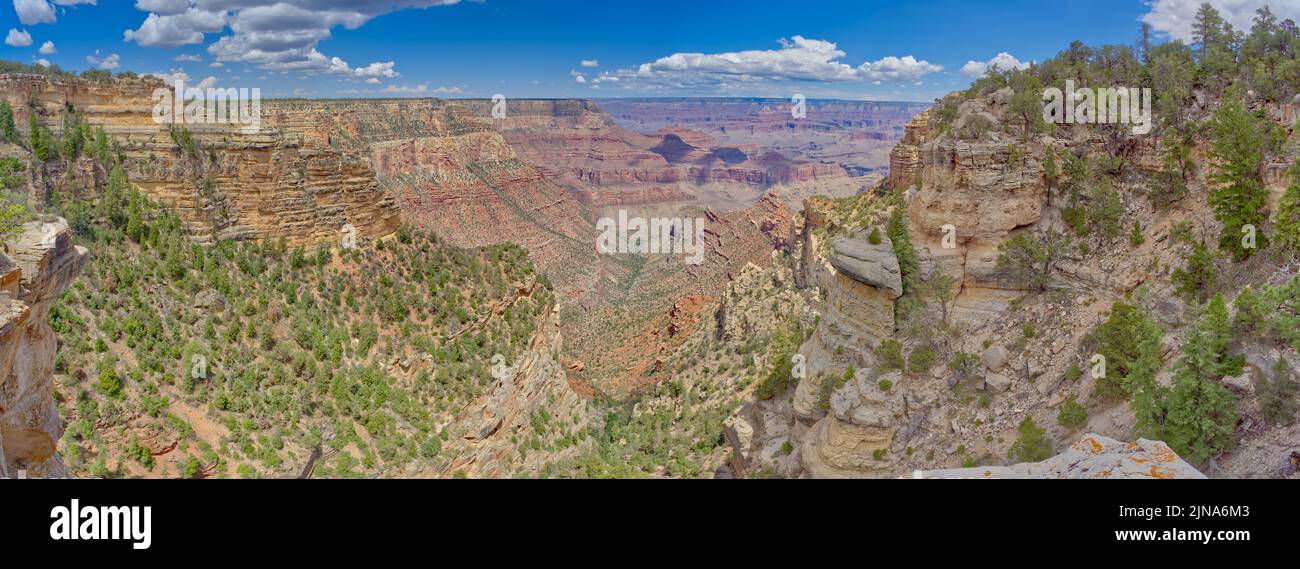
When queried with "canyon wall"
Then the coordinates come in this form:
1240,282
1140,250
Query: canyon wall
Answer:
39,264
268,185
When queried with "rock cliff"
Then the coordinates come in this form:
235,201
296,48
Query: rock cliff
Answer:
225,184
39,265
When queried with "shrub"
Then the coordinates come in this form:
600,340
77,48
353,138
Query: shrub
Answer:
890,354
921,359
1135,237
1032,445
1030,259
1071,415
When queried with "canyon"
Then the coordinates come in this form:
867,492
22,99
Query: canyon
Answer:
809,223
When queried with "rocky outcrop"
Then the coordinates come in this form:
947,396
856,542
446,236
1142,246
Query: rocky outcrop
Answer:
905,158
873,265
861,281
39,265
1093,456
973,194
487,432
854,439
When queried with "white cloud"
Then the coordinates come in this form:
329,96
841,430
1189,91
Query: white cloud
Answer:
111,61
18,38
404,90
216,65
48,48
173,30
163,7
590,63
32,12
799,59
1175,17
208,81
43,62
189,57
377,69
1003,61
172,76
276,35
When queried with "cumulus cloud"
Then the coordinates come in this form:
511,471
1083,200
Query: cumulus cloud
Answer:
377,69
43,62
18,38
590,63
170,76
276,35
31,12
48,48
1174,18
189,57
1003,61
799,59
110,61
173,30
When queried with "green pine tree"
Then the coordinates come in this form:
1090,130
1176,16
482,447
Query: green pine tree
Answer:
1196,280
7,129
1238,195
1200,414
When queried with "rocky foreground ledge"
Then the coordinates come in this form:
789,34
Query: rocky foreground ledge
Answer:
1093,456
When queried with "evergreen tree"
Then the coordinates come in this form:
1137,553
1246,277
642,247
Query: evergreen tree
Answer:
900,234
1130,342
1238,197
7,129
1195,281
40,145
1200,413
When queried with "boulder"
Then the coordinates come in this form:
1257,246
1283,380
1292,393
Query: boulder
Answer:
870,264
1242,384
210,299
995,357
997,381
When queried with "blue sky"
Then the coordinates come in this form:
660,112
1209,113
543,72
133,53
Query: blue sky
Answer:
858,49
